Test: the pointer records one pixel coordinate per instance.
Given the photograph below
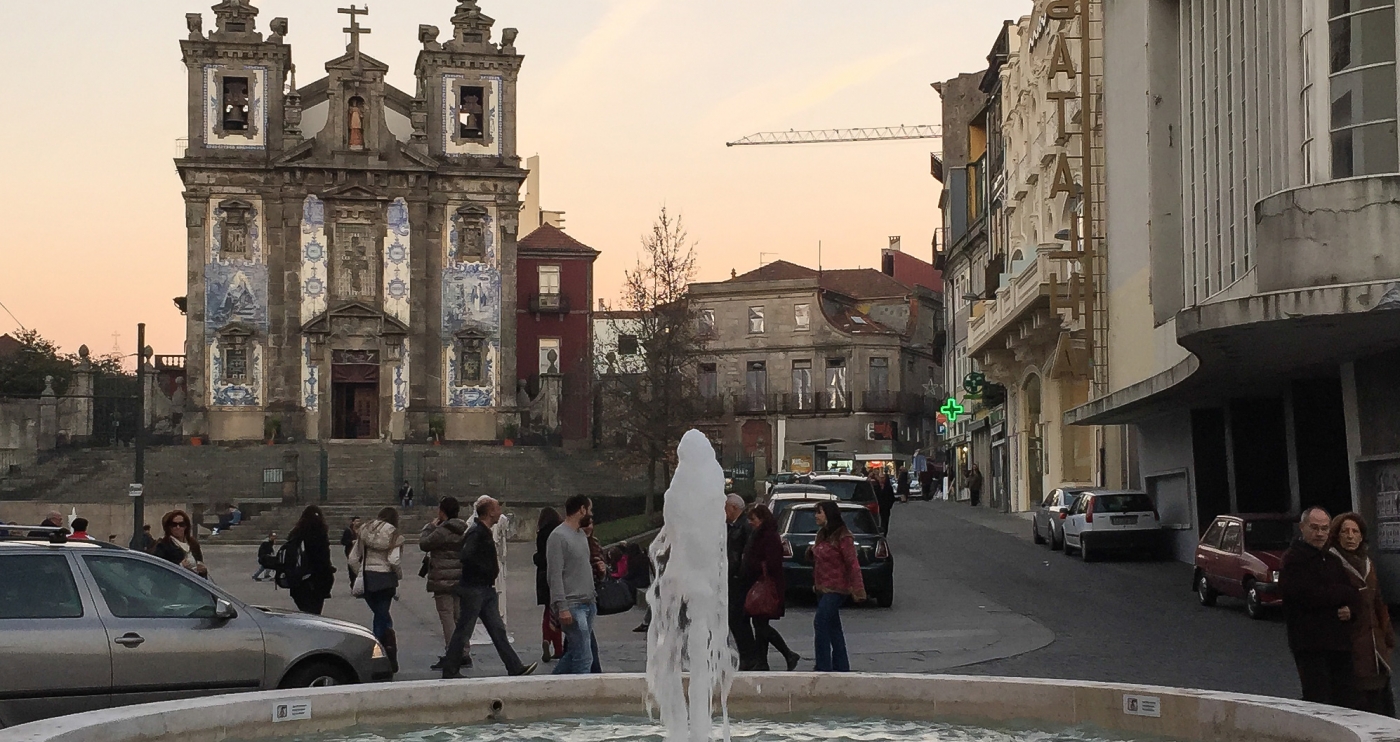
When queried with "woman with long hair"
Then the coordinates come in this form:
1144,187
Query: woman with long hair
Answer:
835,577
1372,635
763,562
179,545
552,643
314,575
378,554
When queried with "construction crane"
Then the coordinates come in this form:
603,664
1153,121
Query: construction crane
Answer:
828,136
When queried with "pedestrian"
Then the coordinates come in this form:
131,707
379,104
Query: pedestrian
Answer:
378,553
1319,604
267,559
639,575
348,537
737,533
143,541
763,563
312,575
54,519
179,546
902,486
499,533
974,485
599,562
884,498
406,495
835,577
441,538
571,591
479,599
1372,635
80,526
551,637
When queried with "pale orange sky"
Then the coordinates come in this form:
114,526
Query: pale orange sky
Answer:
628,102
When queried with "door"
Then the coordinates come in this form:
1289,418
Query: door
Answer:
165,642
53,640
1231,560
1074,524
1208,553
365,411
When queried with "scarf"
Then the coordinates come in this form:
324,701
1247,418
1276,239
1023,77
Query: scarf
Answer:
188,562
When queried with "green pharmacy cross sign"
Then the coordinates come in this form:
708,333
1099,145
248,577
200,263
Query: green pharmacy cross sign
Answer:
974,383
952,410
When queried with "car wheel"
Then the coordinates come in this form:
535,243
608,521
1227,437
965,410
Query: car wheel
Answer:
318,674
1084,552
1069,550
1035,533
884,599
1253,602
1204,592
1056,543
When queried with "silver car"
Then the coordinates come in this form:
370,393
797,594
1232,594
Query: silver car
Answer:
88,625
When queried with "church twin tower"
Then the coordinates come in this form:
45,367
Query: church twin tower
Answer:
351,246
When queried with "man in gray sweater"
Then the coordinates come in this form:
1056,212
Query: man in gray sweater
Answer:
571,592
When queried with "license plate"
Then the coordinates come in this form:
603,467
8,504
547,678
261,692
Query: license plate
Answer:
1123,520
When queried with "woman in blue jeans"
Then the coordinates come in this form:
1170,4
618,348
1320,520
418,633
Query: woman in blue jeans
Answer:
377,555
835,577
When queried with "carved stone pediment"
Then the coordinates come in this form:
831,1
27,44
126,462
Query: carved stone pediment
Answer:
354,192
355,319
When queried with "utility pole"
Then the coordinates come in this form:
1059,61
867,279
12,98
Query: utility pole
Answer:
139,476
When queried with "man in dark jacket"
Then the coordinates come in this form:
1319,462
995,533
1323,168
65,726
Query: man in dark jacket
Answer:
1318,601
349,536
442,539
267,559
737,542
478,595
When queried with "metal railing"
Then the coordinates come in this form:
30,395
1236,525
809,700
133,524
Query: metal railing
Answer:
549,303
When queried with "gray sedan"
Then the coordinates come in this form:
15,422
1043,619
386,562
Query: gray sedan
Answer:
89,625
1047,521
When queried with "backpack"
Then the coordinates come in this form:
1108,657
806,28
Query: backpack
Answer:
288,565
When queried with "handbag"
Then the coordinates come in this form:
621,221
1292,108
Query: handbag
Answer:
615,596
763,600
376,582
357,587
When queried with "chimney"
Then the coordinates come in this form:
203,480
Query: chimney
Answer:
602,305
894,243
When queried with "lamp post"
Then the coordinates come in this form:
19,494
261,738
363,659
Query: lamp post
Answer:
138,509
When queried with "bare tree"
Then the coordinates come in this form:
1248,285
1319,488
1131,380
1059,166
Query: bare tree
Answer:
655,397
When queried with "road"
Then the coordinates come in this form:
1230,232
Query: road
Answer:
973,595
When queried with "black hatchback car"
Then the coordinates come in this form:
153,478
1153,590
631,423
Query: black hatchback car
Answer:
798,528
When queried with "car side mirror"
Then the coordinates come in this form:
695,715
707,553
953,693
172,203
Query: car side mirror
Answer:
224,610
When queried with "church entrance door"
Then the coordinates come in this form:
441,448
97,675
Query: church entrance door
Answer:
355,398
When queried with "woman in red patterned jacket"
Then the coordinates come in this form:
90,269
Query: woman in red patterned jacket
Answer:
835,576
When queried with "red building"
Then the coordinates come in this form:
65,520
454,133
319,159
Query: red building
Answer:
554,331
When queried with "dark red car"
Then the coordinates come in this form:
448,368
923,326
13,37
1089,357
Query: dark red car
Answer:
1239,556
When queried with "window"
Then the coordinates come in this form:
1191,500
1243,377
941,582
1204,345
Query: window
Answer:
1306,99
234,229
709,381
235,364
471,361
1133,503
1361,35
469,230
879,375
627,345
1230,541
136,589
802,315
38,586
235,104
804,520
1212,537
836,383
755,320
549,356
707,322
471,112
756,384
802,396
549,280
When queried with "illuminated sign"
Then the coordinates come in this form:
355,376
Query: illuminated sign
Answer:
952,410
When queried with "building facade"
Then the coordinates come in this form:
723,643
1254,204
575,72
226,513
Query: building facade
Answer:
818,368
351,246
554,334
1253,278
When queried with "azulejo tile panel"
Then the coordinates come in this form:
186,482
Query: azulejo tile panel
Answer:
310,378
223,393
471,396
314,261
397,256
401,378
471,302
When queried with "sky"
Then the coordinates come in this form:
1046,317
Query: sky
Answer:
628,103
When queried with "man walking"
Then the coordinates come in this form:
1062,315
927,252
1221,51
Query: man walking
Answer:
406,495
974,485
571,594
737,535
267,559
349,536
902,485
442,540
1318,601
478,596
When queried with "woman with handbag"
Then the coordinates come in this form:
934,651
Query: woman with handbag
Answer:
180,546
765,598
835,577
1373,635
378,552
552,637
314,575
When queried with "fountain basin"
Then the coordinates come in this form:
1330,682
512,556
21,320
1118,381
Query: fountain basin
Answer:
1123,710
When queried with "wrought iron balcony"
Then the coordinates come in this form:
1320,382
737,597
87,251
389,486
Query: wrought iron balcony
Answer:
549,303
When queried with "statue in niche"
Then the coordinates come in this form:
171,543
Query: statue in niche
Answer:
471,233
356,119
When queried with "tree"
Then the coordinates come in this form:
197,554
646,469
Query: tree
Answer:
23,372
656,400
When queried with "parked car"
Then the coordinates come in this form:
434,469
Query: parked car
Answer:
849,488
916,488
89,625
798,529
784,496
782,477
1240,555
1113,520
1048,518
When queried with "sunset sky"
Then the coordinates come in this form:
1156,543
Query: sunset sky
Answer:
628,102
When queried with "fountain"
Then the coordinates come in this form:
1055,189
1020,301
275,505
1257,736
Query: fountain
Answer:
689,634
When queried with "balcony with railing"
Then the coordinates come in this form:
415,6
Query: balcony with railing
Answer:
1027,290
711,408
549,303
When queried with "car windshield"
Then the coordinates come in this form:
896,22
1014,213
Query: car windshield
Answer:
849,490
1129,503
1269,535
860,522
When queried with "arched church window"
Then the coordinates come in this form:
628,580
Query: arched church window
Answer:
471,233
234,104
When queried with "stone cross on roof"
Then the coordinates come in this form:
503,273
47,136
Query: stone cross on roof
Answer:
355,30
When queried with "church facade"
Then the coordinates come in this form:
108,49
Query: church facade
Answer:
351,246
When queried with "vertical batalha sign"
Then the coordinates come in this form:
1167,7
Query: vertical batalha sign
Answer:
1078,293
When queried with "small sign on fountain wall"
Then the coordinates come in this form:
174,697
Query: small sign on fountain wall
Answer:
291,711
1142,706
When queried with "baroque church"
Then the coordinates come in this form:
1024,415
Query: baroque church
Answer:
352,247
